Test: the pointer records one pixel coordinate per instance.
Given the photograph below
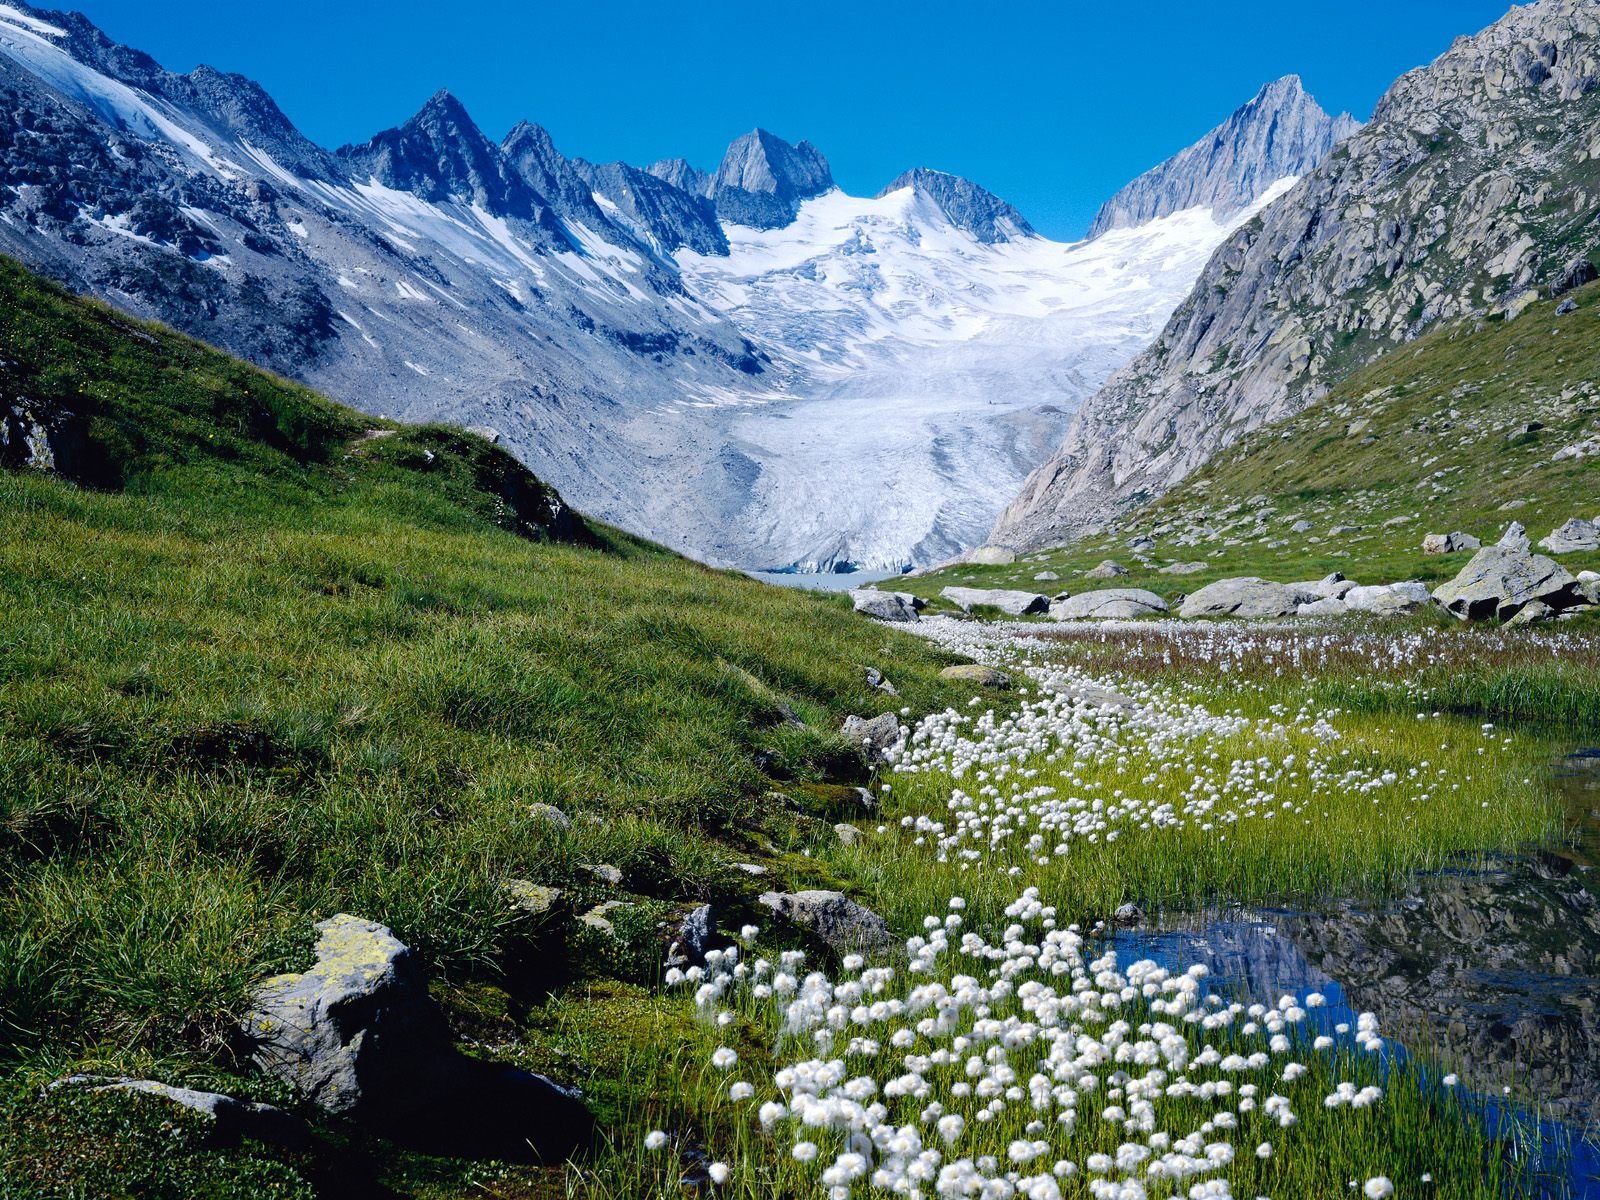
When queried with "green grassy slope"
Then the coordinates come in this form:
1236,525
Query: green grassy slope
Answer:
1430,437
267,660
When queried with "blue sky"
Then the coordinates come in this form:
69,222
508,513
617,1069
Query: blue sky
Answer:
1053,105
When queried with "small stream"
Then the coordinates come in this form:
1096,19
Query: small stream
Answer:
1493,971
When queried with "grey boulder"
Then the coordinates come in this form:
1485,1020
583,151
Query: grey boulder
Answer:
1499,581
358,1035
837,921
1017,604
1515,538
1184,568
883,606
1449,543
992,556
1124,603
1388,600
875,736
1243,597
1328,606
1109,569
1576,536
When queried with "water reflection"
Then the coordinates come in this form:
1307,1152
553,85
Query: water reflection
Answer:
1494,970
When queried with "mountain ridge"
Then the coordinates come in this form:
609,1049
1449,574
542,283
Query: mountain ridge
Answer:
1281,131
1470,192
589,314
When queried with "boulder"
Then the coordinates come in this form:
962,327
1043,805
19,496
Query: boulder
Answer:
1328,606
1515,538
1017,604
875,736
1122,603
847,833
1244,597
1449,543
1301,526
992,556
1184,568
1046,577
883,606
359,1036
1499,581
531,899
977,673
550,815
231,1118
1388,600
1576,536
837,921
1109,569
1533,612
876,680
1589,576
1340,530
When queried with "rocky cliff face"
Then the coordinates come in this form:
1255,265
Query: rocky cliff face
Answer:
1475,187
967,206
1281,132
763,179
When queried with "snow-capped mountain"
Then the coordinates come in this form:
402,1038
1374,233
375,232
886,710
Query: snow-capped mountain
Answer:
746,364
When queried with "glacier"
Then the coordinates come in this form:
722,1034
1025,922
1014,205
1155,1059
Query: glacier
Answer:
928,371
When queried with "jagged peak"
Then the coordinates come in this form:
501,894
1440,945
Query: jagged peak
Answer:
763,162
1279,132
965,204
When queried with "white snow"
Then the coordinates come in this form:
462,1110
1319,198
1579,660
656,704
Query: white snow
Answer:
13,16
932,371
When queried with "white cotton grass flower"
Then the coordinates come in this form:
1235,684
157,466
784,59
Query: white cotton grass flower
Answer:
741,1091
719,1172
655,1140
804,1152
723,1058
1378,1188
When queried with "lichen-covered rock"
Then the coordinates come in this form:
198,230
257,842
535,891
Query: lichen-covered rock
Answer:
1123,603
358,1035
1108,569
976,673
838,921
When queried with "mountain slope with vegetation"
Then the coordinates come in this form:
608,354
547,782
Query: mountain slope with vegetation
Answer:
262,661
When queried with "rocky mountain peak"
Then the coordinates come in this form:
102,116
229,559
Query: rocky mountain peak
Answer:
533,154
763,179
1281,131
441,154
966,205
681,175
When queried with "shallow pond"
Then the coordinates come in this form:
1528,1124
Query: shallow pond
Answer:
1492,971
